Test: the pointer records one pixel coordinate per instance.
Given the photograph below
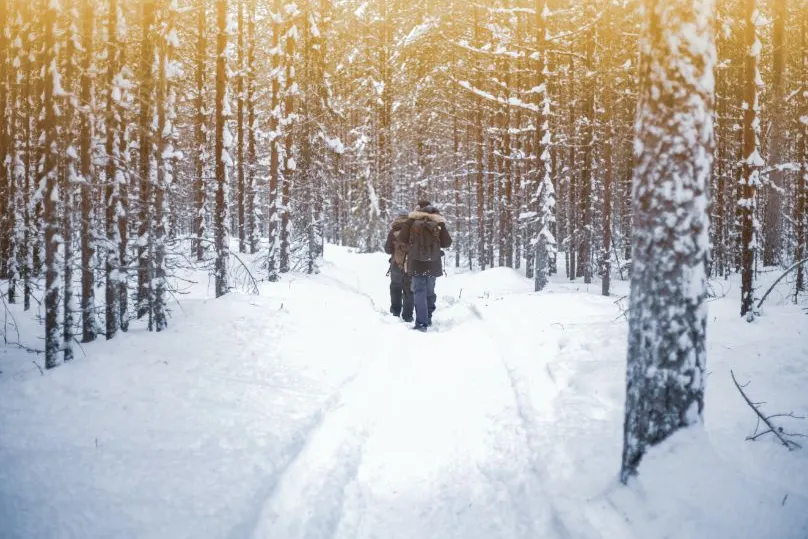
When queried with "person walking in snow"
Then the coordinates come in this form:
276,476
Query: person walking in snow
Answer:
425,235
401,302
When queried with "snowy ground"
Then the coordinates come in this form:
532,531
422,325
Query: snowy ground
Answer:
309,412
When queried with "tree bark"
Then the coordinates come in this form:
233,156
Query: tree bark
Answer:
752,161
201,133
273,215
778,136
668,318
222,158
87,210
802,180
111,188
50,179
241,191
146,98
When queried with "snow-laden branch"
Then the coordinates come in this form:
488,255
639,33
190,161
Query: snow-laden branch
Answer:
512,102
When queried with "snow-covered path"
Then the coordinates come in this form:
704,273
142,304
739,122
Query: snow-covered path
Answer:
427,440
309,412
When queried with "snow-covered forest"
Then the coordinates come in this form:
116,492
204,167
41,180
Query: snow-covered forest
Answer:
225,173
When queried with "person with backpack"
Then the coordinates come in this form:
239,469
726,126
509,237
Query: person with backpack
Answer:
401,302
425,235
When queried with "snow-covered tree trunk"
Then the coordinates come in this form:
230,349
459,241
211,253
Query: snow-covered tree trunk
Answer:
112,202
146,101
253,234
482,238
6,201
674,142
544,198
802,179
223,160
778,145
124,98
54,263
201,135
27,164
166,101
752,161
273,214
67,162
87,177
241,171
587,171
607,169
289,164
572,241
13,210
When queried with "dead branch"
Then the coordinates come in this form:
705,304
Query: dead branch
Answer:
789,270
38,367
777,431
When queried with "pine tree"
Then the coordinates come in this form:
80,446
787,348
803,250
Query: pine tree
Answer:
802,179
6,202
113,173
87,176
274,183
200,153
773,218
166,115
752,161
145,300
667,317
49,173
223,143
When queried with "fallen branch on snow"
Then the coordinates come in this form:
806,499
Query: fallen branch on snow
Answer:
781,435
789,270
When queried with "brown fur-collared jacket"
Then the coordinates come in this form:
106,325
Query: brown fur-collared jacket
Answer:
433,268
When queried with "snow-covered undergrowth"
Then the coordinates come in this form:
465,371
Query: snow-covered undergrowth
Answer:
309,412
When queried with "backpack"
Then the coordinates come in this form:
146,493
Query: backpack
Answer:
424,240
399,250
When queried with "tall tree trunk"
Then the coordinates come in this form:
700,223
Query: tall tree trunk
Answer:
252,134
6,202
506,216
491,214
608,136
123,182
668,318
778,136
719,257
273,215
241,191
28,92
87,229
12,153
802,180
201,132
752,160
289,164
587,176
482,239
572,198
146,98
112,186
222,158
543,202
66,162
164,158
50,179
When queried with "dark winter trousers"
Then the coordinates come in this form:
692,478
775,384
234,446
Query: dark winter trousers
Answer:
400,293
423,287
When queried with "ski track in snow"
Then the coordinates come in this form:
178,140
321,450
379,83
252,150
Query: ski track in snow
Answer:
340,485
